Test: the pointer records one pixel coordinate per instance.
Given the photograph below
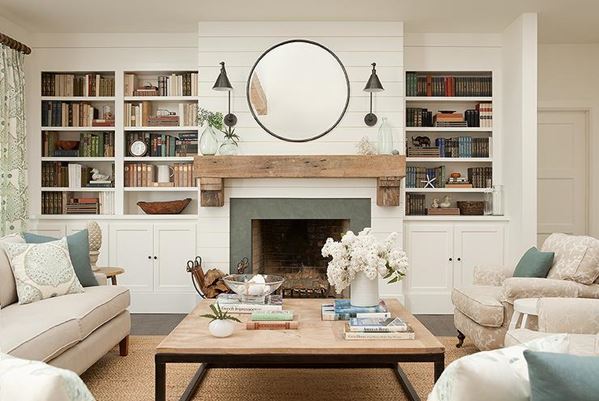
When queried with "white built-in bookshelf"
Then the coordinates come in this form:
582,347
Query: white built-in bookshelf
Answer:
72,109
464,147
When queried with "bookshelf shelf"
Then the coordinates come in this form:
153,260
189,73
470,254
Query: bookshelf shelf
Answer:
78,159
161,98
455,218
177,128
67,189
79,98
191,217
160,189
448,129
159,159
450,159
78,129
457,99
447,190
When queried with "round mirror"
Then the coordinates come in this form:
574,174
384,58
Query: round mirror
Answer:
298,90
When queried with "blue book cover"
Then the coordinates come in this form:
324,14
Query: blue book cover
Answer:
345,306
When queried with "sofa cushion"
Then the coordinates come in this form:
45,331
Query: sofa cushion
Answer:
534,263
579,344
43,330
576,257
480,304
42,270
8,288
558,377
78,251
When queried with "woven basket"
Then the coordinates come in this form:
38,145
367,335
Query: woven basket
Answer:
167,207
472,208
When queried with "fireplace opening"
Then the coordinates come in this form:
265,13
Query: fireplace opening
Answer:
292,248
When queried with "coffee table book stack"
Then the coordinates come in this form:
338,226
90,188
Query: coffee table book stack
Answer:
263,316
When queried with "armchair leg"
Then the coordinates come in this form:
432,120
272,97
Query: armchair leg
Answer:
124,346
461,338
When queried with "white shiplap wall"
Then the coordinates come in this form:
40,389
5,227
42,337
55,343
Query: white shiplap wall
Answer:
357,44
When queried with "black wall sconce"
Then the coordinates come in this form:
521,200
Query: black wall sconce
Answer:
223,84
373,85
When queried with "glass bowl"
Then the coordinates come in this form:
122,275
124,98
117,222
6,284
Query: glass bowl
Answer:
253,288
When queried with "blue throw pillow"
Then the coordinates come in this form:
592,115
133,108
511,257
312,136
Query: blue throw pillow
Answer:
534,263
78,251
560,377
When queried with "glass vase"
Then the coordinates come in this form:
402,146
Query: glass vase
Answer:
385,138
498,200
228,147
208,141
363,291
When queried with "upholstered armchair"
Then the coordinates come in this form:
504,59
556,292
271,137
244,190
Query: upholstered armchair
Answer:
483,311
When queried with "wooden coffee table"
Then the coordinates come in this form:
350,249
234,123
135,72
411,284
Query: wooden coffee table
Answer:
316,344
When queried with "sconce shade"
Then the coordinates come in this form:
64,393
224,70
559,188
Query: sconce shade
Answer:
374,83
222,82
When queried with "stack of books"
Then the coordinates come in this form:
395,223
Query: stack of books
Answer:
449,120
342,309
272,320
233,304
392,328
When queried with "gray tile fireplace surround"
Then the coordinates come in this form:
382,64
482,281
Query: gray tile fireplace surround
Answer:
244,210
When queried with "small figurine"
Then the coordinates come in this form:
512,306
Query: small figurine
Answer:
421,141
446,202
435,203
365,147
97,176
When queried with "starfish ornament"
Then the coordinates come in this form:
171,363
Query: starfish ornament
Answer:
429,182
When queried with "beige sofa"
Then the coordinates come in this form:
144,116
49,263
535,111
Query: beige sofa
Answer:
483,311
71,331
576,316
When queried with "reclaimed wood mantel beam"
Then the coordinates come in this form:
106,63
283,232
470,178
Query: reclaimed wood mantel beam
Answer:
212,170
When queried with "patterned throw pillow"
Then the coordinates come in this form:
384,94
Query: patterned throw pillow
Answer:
42,270
576,257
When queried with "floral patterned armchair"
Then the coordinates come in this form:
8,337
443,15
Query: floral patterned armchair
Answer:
483,311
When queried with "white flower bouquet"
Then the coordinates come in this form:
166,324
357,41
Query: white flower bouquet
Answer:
363,253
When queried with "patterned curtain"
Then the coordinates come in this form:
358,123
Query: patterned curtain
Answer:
13,163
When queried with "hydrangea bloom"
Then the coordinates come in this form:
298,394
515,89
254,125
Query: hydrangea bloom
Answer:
363,253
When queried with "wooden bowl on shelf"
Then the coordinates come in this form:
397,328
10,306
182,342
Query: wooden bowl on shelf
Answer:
164,207
67,145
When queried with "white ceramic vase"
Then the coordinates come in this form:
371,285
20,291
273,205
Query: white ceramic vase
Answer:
221,328
364,292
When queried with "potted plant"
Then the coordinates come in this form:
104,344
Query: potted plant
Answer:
358,260
221,324
209,141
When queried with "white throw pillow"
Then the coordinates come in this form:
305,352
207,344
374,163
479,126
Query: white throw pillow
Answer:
25,380
42,270
497,375
8,289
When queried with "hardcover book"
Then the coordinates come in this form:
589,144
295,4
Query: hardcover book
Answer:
390,325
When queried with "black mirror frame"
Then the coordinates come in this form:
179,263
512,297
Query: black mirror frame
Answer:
247,90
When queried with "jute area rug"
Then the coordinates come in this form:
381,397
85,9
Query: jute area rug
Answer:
131,378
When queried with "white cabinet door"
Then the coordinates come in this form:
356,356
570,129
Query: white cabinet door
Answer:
430,278
131,247
174,245
476,245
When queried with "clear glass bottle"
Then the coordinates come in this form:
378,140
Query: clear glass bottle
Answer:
488,199
498,200
208,141
385,138
228,147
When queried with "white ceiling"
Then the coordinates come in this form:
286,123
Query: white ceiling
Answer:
560,21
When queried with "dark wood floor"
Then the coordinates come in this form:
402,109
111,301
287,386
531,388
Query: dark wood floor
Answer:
160,324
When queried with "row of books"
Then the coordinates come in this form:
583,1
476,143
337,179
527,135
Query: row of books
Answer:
73,114
415,204
145,175
447,85
481,116
76,85
481,177
96,144
67,203
463,146
55,174
141,115
166,145
181,84
417,177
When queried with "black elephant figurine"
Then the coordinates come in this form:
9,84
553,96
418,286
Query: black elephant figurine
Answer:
421,141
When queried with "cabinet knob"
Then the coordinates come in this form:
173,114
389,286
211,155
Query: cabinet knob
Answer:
149,257
459,259
155,257
450,259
